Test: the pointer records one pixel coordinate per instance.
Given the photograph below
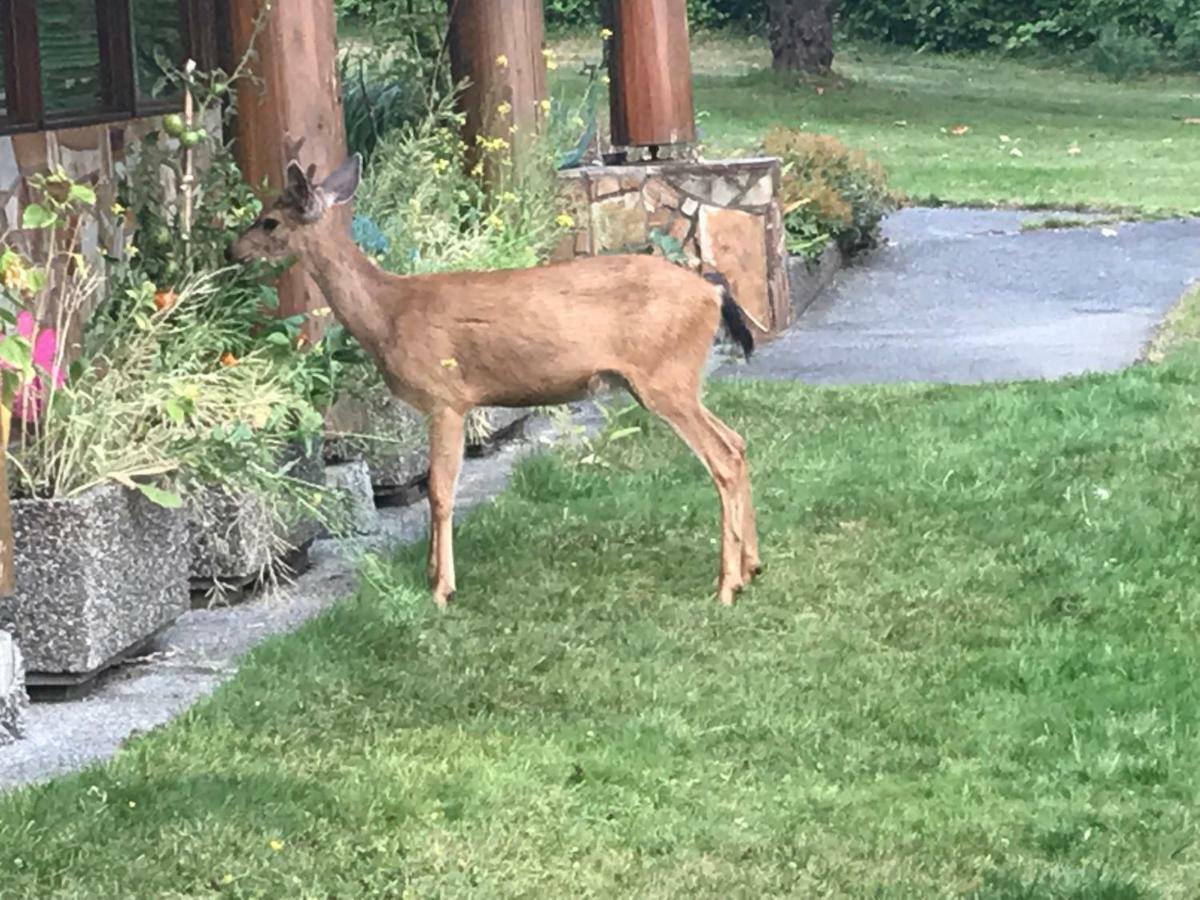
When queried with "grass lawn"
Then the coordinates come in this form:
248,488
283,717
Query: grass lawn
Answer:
970,671
1136,149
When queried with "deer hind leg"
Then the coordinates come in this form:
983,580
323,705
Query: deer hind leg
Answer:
445,460
751,561
695,426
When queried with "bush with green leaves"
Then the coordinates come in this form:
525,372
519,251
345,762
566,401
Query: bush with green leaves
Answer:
144,404
175,246
1135,32
830,192
569,14
436,210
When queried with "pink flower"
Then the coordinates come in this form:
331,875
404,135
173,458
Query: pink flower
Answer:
31,396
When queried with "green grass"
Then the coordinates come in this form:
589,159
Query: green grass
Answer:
969,671
1136,151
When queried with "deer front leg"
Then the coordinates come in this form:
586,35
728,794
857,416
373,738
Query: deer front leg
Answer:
445,460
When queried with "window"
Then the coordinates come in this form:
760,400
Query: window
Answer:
72,62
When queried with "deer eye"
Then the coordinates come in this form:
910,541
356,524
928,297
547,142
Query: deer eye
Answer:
270,224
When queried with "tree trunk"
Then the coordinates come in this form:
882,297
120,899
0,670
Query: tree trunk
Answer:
801,33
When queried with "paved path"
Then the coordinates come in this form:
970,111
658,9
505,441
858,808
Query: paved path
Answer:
965,296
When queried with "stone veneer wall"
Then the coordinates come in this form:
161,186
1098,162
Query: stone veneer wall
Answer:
725,213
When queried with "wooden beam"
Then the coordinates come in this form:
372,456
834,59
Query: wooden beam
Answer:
498,48
651,73
295,92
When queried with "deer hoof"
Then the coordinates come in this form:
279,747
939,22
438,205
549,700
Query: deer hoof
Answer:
443,600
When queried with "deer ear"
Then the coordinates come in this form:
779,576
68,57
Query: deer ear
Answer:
298,184
300,194
342,183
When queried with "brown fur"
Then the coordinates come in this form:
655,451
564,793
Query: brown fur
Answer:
447,343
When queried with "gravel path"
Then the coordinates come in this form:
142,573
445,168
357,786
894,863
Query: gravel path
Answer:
966,296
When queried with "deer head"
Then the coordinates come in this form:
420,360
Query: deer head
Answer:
279,232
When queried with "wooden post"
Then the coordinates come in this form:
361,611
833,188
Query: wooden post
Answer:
295,93
498,47
651,73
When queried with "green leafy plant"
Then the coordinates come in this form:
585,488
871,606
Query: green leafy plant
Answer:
432,202
830,192
1119,54
1124,35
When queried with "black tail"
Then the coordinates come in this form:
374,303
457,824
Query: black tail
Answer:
732,315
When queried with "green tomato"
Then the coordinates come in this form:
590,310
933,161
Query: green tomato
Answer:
173,124
203,132
190,138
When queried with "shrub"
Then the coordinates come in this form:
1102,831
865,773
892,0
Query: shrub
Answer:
1137,30
431,203
1119,54
829,192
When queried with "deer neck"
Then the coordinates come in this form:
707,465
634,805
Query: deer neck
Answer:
350,282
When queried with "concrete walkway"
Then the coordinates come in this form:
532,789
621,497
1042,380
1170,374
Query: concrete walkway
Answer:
966,296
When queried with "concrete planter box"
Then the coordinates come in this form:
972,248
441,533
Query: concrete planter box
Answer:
96,576
808,279
232,536
397,464
12,689
353,481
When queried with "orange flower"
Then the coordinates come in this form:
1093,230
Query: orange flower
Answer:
229,360
165,299
302,340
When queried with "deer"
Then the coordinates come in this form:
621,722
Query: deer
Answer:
446,343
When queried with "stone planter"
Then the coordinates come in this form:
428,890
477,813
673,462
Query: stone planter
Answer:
353,481
387,435
233,537
96,576
808,279
12,689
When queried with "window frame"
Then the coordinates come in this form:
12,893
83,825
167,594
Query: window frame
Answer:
22,71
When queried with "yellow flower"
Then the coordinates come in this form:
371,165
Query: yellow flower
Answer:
604,79
551,59
605,34
502,61
565,220
440,166
276,845
15,276
504,108
508,197
545,104
494,221
477,170
513,129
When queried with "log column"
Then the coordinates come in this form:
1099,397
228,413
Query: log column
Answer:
296,93
498,47
650,69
